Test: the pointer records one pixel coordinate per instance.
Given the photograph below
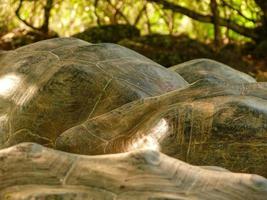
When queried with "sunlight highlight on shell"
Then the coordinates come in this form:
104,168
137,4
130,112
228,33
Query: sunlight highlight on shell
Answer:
23,98
3,118
152,139
8,84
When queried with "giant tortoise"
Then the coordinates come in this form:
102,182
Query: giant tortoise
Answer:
95,99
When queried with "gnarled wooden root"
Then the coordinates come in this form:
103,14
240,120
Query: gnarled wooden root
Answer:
31,171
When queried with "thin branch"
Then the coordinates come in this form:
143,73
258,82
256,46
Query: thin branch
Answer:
119,12
96,14
17,12
169,22
249,32
224,3
45,26
137,19
148,21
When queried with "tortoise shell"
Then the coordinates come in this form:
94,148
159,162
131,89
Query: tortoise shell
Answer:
103,98
49,86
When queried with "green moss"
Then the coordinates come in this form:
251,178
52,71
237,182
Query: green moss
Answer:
108,33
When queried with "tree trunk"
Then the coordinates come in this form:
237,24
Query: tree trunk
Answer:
148,21
263,29
215,19
47,11
263,5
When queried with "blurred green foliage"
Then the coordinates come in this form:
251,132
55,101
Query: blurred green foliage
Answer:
74,16
167,31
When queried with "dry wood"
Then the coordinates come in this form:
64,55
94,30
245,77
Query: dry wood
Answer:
31,171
